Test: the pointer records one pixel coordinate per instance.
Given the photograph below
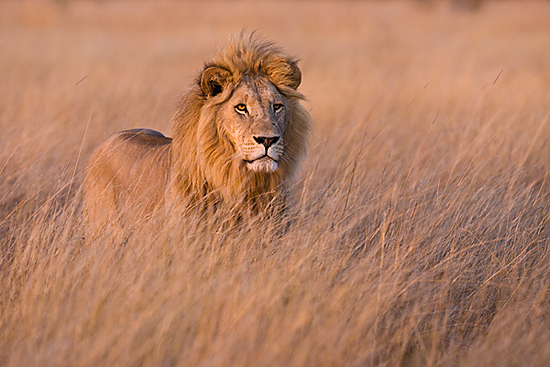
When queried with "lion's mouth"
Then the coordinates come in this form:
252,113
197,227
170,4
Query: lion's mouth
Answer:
260,158
262,164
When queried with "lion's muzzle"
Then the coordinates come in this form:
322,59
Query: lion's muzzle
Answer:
265,154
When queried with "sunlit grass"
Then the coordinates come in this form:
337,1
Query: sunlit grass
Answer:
418,230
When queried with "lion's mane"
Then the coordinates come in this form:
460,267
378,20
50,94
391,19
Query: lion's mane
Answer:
201,152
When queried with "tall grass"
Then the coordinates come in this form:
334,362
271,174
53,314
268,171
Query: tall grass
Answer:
418,232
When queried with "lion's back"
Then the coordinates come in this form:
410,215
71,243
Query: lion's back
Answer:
127,173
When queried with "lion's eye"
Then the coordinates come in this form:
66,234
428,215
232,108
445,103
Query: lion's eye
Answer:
241,108
277,107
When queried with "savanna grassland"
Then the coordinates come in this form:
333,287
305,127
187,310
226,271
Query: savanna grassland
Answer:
418,232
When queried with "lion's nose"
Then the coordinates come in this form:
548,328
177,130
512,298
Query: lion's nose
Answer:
265,141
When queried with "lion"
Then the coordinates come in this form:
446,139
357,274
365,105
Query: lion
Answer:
239,136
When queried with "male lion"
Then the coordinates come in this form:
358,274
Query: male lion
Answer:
239,134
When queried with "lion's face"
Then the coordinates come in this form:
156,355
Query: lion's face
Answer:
254,119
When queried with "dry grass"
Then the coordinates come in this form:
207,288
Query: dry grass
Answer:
419,232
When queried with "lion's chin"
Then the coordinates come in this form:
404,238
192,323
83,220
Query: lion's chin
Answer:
265,164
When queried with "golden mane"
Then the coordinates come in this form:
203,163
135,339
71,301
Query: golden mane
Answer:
208,169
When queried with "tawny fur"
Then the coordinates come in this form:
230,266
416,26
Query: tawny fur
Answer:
144,173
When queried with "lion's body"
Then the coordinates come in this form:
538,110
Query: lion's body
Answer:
126,178
239,135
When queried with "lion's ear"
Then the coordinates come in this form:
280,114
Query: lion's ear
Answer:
213,80
285,72
295,76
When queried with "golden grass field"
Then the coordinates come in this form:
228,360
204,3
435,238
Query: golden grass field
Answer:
419,228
